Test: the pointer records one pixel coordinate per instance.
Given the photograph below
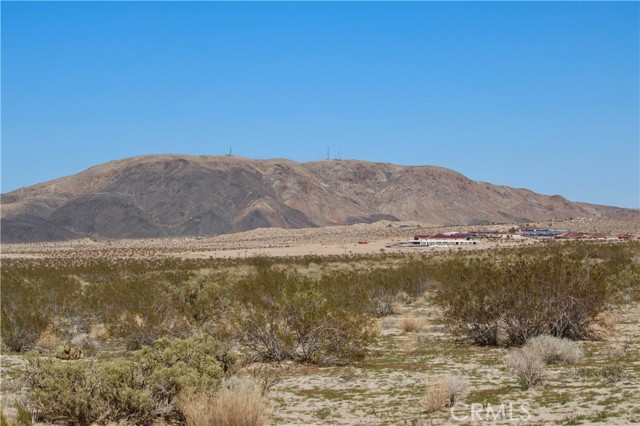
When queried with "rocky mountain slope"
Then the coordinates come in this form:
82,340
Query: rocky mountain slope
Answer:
172,195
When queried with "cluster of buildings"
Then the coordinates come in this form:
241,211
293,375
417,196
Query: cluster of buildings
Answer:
571,235
445,239
448,239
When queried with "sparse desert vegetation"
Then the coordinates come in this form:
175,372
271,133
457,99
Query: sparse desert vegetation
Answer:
444,392
381,338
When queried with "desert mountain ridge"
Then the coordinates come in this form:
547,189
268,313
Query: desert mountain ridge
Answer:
178,195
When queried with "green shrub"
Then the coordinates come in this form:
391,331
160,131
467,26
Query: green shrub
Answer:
31,303
85,392
123,389
24,315
171,366
541,291
138,310
139,389
203,300
65,392
377,291
283,316
468,295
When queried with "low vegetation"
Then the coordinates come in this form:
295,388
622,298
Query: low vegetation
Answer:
529,361
411,325
141,387
444,392
238,402
174,335
528,367
509,297
554,350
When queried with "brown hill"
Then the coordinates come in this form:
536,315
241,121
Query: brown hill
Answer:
171,195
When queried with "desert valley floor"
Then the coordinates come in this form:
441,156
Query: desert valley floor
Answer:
388,386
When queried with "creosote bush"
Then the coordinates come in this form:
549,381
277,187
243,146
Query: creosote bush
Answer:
140,388
138,310
545,290
30,306
287,316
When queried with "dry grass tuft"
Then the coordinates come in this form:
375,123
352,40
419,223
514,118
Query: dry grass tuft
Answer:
239,402
528,365
554,350
445,392
412,325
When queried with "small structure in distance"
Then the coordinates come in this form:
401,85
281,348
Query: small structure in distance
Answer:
444,240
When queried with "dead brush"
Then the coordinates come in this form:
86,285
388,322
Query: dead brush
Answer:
412,325
239,402
444,392
265,376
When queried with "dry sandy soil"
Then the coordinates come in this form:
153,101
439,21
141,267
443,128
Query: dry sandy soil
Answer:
334,240
389,388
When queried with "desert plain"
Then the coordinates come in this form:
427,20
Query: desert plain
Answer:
413,345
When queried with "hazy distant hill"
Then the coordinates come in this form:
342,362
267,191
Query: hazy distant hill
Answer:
172,195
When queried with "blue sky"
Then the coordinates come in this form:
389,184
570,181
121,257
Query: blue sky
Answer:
537,95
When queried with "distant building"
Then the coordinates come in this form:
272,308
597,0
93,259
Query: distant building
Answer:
594,236
625,237
538,233
571,236
443,240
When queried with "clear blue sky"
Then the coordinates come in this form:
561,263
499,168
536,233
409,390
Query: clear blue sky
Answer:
537,95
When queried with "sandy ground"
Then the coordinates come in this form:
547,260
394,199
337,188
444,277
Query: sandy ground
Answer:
388,388
335,240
